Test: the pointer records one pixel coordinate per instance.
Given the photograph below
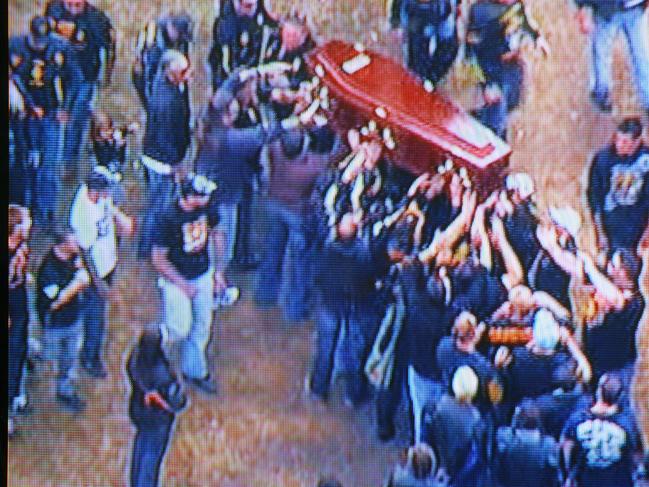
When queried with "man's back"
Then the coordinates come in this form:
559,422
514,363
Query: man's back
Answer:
526,458
455,429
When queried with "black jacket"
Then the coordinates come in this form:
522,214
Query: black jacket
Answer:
149,370
167,134
92,33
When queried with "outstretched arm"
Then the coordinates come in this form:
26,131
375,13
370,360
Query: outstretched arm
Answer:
514,275
602,283
458,227
547,237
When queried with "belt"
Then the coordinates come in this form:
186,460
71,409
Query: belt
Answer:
155,165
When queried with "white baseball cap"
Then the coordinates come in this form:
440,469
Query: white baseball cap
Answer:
521,182
567,218
545,330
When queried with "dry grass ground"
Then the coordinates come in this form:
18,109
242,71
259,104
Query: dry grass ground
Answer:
260,431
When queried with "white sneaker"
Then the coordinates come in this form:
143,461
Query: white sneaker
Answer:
227,297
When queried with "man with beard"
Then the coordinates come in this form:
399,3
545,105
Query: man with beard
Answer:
186,252
93,39
50,78
173,31
294,169
349,309
229,155
167,136
60,282
611,341
618,190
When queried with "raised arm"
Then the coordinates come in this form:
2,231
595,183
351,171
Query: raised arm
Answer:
547,237
584,371
514,274
80,281
602,283
456,229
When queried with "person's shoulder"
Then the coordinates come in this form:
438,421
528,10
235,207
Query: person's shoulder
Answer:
17,42
605,156
578,416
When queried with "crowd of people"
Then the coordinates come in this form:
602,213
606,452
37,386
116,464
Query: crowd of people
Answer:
512,348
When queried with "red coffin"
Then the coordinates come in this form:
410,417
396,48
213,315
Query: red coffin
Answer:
427,127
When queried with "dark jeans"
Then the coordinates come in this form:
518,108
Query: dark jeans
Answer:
242,250
61,345
45,152
329,321
94,325
389,398
283,268
78,124
160,196
19,179
148,451
345,336
17,339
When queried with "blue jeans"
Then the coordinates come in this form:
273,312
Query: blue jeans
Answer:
228,217
345,336
79,119
279,275
94,310
17,339
423,392
329,322
62,345
148,452
633,24
187,323
45,151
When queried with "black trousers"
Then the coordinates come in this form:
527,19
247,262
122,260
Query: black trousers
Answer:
149,448
242,251
17,338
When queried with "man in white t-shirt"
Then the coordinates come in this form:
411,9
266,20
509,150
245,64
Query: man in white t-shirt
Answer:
96,222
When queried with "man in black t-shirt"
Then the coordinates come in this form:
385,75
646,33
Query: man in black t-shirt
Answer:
599,443
618,189
190,273
460,349
61,278
92,36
